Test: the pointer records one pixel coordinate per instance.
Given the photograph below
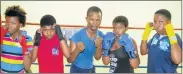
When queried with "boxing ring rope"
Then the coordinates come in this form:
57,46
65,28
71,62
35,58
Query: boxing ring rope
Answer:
79,26
101,27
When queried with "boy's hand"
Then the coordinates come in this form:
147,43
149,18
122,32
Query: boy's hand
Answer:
98,42
27,61
80,46
37,38
171,34
3,32
148,29
126,41
59,32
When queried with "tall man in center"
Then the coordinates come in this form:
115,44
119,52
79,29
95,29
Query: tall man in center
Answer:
87,43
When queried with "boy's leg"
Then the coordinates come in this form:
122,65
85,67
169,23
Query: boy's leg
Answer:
92,70
74,69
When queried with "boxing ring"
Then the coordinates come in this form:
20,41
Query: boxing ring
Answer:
69,30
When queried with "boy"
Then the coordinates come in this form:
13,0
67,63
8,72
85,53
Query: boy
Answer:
165,48
16,45
87,43
50,46
119,49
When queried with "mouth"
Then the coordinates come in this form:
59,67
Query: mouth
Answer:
9,30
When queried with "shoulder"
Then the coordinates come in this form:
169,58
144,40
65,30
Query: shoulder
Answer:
28,37
100,33
80,31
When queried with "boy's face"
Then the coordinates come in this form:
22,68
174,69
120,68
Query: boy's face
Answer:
159,23
48,31
119,29
13,24
94,20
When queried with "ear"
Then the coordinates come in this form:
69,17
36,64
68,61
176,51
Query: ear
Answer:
21,25
169,22
126,29
54,25
86,18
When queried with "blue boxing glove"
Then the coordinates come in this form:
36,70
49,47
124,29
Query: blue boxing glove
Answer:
126,41
107,43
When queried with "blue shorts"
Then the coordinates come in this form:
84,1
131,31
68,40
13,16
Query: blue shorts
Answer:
75,69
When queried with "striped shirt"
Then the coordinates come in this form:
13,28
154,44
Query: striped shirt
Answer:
11,56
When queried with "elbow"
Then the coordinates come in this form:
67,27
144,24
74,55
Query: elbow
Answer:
97,57
105,63
70,60
135,63
105,60
33,59
143,53
178,61
135,66
67,55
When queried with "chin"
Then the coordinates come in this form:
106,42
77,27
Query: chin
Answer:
94,29
159,32
49,38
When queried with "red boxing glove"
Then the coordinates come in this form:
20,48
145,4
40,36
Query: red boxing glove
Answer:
23,43
3,33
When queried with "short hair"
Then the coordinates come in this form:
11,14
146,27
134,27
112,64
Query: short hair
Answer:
15,10
165,13
47,20
121,19
94,9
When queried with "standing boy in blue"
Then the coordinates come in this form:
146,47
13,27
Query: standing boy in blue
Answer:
87,43
165,48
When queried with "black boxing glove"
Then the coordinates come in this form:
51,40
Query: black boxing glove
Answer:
59,32
37,39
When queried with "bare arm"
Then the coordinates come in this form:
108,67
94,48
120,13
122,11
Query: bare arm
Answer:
136,61
0,55
143,47
65,48
176,53
98,44
98,53
106,60
74,51
34,53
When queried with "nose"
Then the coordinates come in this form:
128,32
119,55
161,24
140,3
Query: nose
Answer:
155,25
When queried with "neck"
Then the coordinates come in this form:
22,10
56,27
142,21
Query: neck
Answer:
164,33
91,34
15,34
90,31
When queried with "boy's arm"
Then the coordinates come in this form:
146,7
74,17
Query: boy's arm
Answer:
135,61
27,61
36,40
176,53
65,48
0,58
63,44
34,53
143,47
98,44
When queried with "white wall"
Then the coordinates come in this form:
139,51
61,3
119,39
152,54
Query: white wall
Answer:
74,12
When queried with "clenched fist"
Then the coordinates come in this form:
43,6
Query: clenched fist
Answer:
80,46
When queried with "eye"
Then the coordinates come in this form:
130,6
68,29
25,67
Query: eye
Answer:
160,22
